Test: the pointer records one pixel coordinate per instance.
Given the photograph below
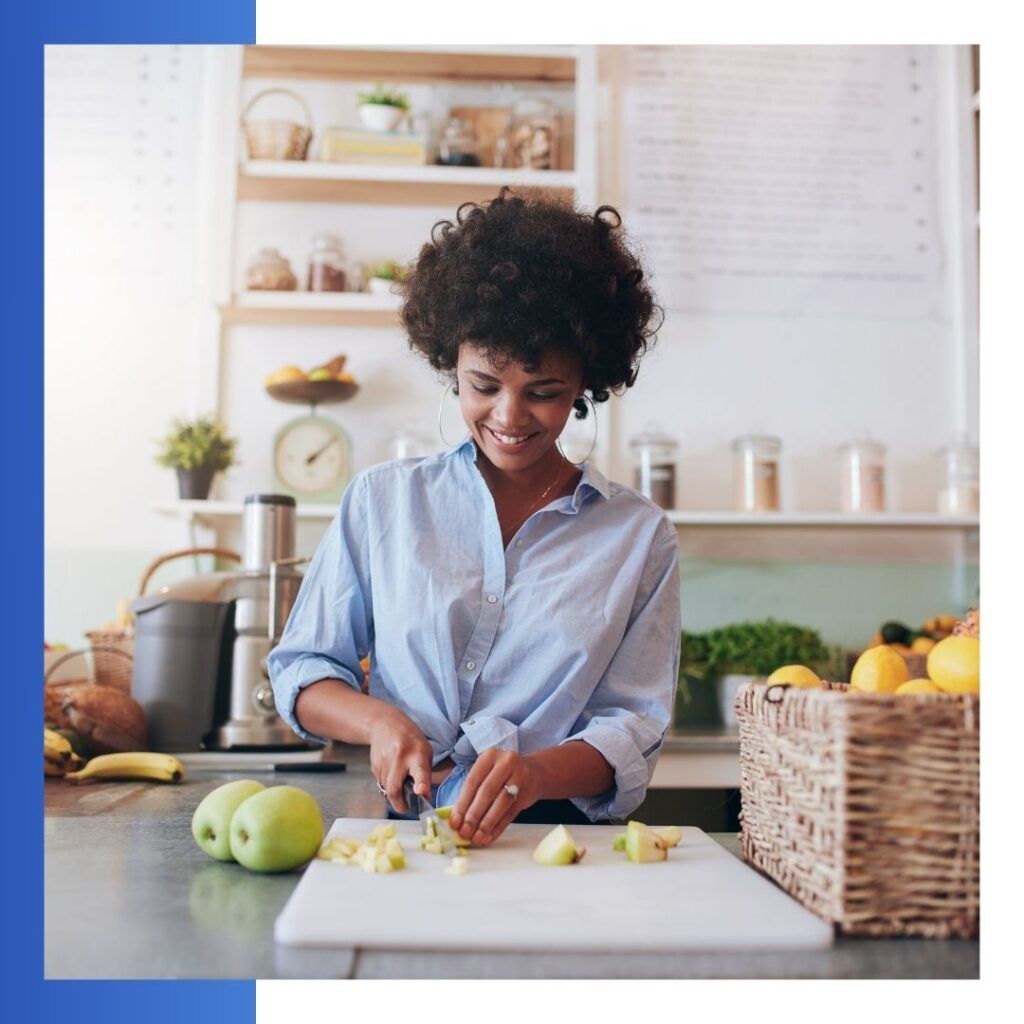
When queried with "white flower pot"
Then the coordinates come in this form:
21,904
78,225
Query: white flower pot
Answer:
382,286
728,687
379,117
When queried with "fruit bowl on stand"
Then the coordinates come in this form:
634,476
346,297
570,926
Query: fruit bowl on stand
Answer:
313,392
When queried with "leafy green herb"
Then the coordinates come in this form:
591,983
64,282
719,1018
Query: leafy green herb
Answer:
384,97
197,444
751,648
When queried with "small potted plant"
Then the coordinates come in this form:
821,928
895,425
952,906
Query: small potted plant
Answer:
747,650
198,450
381,109
385,278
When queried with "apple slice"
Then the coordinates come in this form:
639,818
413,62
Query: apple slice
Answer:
619,842
643,844
669,834
557,848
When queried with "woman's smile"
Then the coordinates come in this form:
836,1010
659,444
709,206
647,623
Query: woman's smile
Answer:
510,442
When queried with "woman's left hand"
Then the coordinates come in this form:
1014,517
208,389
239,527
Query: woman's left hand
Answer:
485,808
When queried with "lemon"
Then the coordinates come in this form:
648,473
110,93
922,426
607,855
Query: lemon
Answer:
878,670
795,675
953,664
917,686
922,645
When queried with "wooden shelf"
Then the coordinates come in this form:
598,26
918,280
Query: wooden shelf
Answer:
405,66
833,520
340,309
893,520
188,510
318,182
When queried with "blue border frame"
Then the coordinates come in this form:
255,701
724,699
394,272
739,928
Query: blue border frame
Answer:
31,25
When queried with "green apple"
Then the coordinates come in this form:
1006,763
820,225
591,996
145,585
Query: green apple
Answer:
276,830
211,823
557,848
669,834
320,373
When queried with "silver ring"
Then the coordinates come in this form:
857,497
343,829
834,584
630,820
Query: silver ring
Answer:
381,790
512,789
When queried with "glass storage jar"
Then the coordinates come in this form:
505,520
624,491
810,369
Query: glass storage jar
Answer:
756,473
407,442
533,135
326,265
862,479
960,494
654,465
459,146
269,271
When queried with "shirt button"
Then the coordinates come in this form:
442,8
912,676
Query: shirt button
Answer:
519,543
472,721
492,599
471,665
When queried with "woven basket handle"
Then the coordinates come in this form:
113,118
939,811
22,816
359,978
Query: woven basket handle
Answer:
287,92
77,654
231,556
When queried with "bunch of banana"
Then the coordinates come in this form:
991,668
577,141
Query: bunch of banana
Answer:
58,756
130,765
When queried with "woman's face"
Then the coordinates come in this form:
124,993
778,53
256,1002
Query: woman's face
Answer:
514,416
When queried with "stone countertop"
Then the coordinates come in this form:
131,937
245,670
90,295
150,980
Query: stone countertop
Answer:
130,895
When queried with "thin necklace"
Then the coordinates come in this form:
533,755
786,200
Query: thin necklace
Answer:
547,491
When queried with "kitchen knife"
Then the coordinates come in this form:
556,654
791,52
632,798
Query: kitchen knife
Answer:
421,806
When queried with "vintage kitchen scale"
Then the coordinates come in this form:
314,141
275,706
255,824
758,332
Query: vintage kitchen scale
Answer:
313,454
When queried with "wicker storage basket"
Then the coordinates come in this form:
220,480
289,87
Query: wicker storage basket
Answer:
113,649
864,807
268,139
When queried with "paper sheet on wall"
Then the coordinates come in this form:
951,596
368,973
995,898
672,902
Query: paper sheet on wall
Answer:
785,180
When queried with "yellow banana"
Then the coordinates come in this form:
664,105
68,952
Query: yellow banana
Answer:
55,746
131,765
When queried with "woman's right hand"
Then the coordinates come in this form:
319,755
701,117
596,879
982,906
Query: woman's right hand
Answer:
399,749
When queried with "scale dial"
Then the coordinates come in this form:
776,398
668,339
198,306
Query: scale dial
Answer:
312,459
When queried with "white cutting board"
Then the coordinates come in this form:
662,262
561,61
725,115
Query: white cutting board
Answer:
701,899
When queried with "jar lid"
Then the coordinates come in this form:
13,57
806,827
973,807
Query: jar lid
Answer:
773,444
652,435
327,242
864,444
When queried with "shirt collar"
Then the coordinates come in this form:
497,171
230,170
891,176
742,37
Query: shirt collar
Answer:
591,480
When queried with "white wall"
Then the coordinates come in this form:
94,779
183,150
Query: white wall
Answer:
120,309
130,340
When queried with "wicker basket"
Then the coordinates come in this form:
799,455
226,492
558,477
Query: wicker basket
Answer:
113,649
267,139
865,807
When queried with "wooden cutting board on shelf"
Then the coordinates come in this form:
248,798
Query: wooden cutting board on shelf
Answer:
701,899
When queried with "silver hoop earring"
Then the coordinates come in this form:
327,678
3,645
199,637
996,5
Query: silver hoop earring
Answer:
593,444
440,411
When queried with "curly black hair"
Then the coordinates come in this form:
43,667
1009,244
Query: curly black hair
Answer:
524,277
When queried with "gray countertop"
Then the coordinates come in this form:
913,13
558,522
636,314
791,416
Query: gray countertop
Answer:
130,895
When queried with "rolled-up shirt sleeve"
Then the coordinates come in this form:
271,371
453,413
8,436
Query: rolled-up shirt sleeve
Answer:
631,707
330,628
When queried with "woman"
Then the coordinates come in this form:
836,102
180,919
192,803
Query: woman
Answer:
522,611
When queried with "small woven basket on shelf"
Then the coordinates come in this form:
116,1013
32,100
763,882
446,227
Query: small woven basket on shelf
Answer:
276,139
864,807
113,649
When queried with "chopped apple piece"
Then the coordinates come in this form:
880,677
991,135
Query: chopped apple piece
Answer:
619,842
457,867
395,853
558,848
669,834
643,844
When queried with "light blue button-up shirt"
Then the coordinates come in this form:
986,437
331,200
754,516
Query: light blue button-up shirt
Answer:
570,633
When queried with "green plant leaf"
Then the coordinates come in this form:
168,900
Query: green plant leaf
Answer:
199,443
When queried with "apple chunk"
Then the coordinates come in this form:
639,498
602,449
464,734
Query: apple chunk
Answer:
557,848
643,844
